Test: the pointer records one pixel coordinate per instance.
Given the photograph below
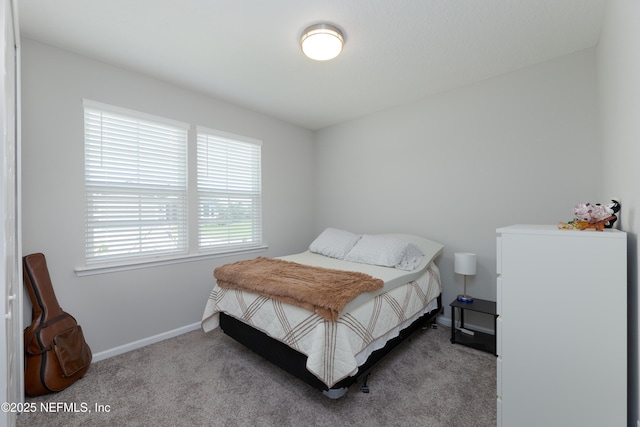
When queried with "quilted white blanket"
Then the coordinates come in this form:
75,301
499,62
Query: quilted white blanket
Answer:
334,350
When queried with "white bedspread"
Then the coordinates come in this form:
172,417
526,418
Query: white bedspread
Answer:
334,350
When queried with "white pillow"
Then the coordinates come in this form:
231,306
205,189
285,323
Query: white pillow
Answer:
334,243
385,251
411,258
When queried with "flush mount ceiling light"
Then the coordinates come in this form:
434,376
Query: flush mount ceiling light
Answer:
322,42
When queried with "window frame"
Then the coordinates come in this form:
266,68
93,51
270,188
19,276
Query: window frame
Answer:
193,251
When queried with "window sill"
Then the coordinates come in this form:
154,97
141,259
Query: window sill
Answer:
112,268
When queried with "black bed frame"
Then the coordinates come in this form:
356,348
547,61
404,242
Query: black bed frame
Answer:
294,362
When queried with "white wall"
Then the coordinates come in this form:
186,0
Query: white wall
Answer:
519,148
619,91
119,308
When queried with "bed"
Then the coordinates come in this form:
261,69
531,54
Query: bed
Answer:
331,349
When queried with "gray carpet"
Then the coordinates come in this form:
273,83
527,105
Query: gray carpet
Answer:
210,380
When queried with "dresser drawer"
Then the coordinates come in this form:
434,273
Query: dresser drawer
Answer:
499,336
499,295
498,255
499,376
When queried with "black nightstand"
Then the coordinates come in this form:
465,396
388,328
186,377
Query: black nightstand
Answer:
479,340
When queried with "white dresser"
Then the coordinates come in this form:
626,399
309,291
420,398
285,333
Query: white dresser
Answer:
562,327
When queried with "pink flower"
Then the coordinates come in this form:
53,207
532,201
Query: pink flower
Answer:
591,213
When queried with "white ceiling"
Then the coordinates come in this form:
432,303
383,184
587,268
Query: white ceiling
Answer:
247,51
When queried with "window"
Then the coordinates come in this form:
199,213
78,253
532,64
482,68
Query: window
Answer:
135,184
138,196
229,191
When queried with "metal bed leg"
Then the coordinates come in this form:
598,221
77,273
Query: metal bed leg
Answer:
365,387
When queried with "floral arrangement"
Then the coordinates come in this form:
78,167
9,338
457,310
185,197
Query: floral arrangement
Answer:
590,216
591,213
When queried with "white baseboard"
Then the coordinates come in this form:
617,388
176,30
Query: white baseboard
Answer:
144,342
446,321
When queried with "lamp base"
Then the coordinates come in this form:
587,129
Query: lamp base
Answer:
464,298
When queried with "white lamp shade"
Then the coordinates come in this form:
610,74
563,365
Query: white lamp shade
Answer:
464,263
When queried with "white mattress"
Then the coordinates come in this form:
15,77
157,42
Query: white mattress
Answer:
334,350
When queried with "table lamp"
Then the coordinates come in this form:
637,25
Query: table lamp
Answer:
465,263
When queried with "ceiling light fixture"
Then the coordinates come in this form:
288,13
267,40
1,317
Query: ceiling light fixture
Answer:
322,42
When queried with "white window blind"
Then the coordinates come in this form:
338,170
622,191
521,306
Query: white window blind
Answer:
229,191
135,183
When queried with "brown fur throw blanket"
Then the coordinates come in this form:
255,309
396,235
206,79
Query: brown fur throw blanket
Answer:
321,290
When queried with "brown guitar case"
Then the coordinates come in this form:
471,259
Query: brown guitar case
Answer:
56,354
